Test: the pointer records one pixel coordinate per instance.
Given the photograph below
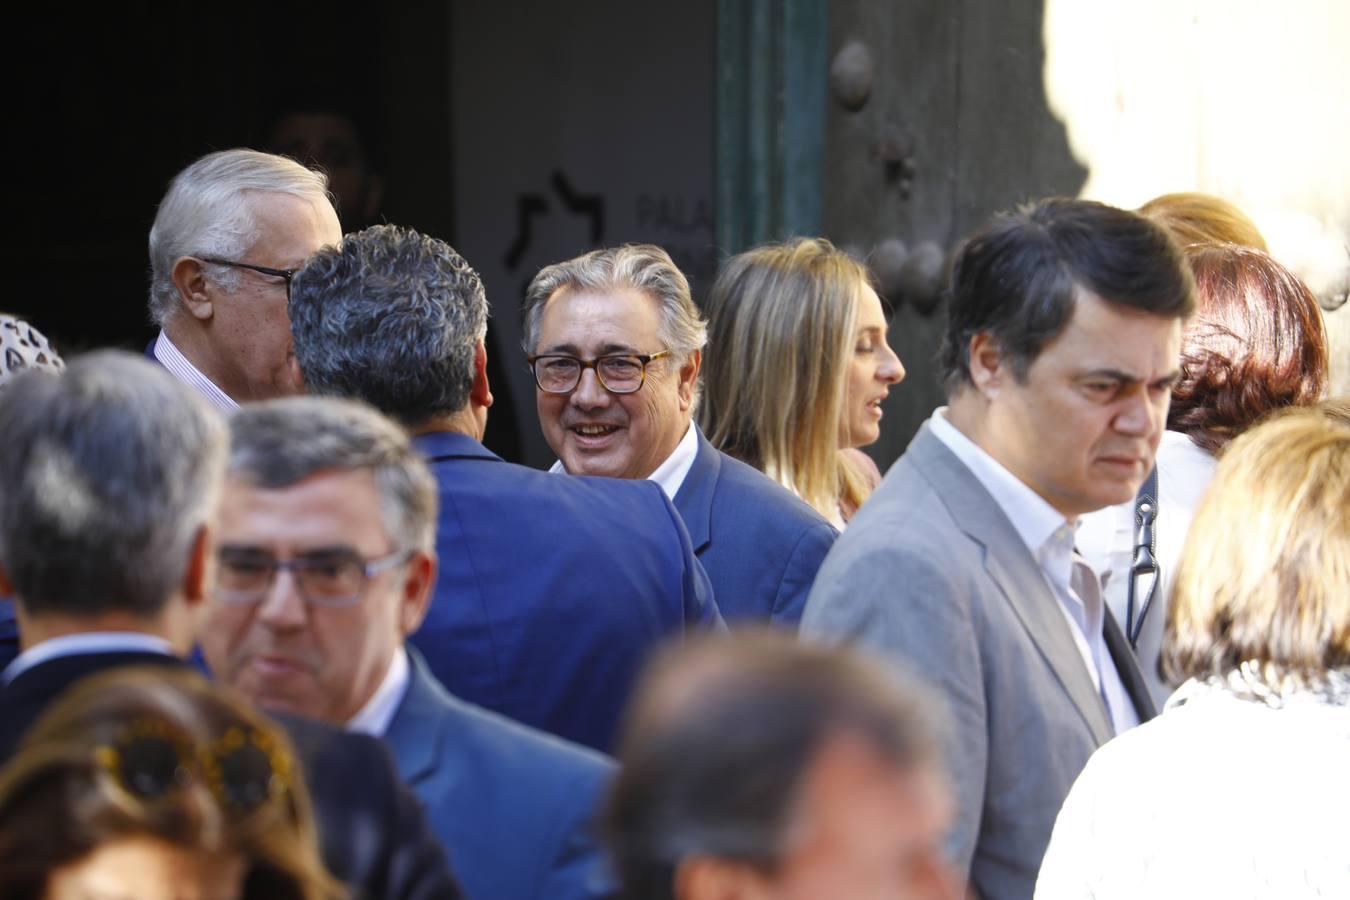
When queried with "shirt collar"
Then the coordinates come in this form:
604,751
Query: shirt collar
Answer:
671,473
1035,521
173,359
374,717
86,643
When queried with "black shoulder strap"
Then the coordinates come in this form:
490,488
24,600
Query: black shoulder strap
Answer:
1144,571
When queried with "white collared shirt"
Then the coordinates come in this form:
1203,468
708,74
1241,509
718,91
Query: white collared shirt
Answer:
374,717
82,644
1049,537
178,365
671,473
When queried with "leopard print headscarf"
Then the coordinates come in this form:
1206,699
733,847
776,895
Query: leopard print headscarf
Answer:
22,347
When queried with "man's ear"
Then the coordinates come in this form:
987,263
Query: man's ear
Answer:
480,393
417,584
199,577
189,280
689,378
297,376
988,367
703,877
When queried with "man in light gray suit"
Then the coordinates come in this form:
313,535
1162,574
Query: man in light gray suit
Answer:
1059,354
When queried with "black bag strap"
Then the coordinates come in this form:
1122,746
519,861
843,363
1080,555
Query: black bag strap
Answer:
1144,570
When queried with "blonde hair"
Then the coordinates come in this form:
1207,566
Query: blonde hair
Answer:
781,324
1265,575
1195,218
61,797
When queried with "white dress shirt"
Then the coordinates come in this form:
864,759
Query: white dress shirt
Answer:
178,365
82,644
1049,537
374,717
671,473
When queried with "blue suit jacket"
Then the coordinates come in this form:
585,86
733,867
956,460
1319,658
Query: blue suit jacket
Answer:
512,806
9,633
552,591
760,544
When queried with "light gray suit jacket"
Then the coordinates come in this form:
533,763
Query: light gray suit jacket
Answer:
932,572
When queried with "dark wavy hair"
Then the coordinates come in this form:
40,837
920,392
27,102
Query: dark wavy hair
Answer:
1257,343
1019,277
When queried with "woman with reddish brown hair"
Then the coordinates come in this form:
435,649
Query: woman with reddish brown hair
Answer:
1256,344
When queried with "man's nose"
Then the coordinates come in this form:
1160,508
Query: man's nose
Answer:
589,392
283,608
1142,413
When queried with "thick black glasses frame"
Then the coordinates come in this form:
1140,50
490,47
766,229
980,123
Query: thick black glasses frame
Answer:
584,364
287,274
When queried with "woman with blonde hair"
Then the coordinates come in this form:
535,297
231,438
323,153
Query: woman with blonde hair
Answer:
1239,788
799,370
155,784
1195,218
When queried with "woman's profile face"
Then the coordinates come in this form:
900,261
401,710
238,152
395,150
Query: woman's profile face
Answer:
147,868
870,372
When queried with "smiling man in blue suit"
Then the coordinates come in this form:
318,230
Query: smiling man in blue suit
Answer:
551,592
325,565
615,342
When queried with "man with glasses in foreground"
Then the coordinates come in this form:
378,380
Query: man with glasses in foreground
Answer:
551,592
112,474
228,237
326,564
615,342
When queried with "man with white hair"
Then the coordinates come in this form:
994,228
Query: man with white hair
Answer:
230,233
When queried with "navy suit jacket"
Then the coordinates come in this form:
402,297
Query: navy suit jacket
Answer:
513,806
372,834
552,591
9,633
760,544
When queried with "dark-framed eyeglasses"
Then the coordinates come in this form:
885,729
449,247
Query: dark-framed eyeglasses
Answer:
324,578
287,274
150,759
619,373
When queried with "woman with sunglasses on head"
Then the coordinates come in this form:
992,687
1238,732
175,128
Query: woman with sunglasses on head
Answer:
153,784
798,369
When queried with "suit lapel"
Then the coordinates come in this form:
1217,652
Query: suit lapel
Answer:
694,499
1015,571
415,733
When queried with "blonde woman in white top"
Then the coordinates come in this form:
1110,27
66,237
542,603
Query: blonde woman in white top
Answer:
1239,789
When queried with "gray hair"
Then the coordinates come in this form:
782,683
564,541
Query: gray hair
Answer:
109,471
712,709
278,443
640,267
390,316
207,212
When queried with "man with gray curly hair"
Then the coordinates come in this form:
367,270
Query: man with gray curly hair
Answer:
615,341
551,592
228,236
